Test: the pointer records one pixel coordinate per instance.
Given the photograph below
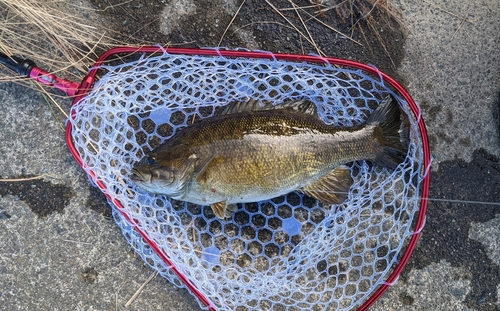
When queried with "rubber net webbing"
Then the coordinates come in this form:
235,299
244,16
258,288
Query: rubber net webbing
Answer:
288,253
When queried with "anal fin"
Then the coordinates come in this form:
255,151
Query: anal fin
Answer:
331,188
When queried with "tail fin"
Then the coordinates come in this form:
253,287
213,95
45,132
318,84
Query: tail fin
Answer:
391,132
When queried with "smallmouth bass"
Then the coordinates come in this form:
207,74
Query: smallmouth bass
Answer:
252,152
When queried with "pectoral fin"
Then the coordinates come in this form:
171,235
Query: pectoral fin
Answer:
211,165
222,209
331,188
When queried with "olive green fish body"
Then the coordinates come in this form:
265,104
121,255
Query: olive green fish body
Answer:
249,156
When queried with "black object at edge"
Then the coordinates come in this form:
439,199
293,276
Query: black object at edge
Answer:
19,65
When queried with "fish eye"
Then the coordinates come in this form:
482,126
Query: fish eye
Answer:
150,160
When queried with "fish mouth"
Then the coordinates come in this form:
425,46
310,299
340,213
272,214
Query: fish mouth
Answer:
139,177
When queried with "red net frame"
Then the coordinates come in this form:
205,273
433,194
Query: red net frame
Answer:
88,81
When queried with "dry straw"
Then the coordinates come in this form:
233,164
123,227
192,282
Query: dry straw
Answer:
52,34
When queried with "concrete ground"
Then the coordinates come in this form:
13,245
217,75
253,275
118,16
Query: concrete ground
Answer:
60,250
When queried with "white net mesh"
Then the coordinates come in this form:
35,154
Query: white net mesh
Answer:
288,253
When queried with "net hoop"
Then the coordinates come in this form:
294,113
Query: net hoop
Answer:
88,82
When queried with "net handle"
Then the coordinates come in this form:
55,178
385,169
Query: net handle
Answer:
89,79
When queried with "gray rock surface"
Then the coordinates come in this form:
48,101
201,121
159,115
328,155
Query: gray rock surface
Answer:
60,250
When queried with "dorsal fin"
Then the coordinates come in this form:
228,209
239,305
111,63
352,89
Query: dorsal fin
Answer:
302,106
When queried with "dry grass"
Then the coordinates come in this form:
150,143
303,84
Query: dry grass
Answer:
63,40
364,15
56,36
360,15
355,12
50,33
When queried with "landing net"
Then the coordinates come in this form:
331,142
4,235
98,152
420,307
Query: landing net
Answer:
288,253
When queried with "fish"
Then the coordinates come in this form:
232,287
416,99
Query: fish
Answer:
253,151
